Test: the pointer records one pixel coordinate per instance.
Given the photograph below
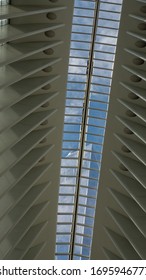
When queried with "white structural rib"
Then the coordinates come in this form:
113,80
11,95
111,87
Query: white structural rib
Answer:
120,223
34,51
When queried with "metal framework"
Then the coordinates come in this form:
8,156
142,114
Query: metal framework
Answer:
94,36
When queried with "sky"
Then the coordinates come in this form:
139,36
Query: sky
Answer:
82,222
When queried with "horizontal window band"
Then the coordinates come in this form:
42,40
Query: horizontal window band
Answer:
71,74
62,243
89,186
69,185
104,52
79,224
74,90
97,109
63,169
104,44
94,101
98,76
77,133
110,11
75,99
80,24
65,204
75,56
73,106
63,223
61,254
96,143
90,160
83,235
73,123
68,176
81,33
84,205
104,60
68,141
66,213
89,183
84,168
70,149
84,177
83,16
105,36
87,196
98,92
75,83
111,2
108,18
73,115
100,16
83,8
102,68
92,117
95,152
79,41
108,27
73,48
82,245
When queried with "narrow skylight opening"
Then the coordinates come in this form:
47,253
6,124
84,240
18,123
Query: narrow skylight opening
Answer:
92,53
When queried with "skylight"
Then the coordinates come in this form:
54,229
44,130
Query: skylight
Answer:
92,52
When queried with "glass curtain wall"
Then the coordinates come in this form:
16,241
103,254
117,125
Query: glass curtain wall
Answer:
92,52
